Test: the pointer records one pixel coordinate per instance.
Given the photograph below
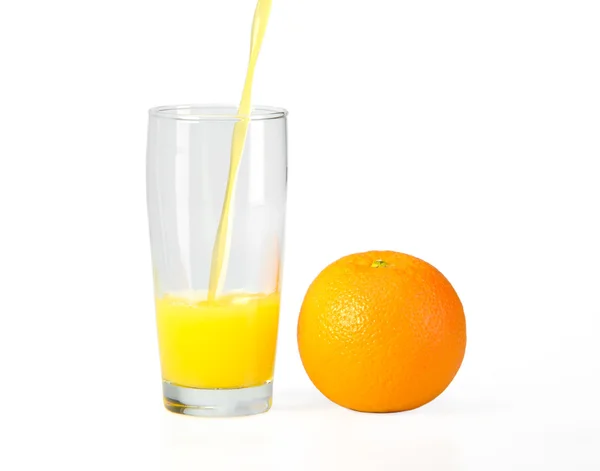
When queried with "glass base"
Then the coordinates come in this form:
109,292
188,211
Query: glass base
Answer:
217,402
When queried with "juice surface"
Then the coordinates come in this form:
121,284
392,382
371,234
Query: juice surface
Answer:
224,343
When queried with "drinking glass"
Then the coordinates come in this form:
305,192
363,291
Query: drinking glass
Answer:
217,353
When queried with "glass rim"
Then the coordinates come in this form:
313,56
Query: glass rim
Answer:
258,113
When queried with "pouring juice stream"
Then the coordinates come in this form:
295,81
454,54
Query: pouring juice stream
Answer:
220,254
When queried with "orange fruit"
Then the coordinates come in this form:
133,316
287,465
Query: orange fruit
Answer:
381,332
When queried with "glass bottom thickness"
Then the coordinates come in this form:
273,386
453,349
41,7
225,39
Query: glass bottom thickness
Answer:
217,402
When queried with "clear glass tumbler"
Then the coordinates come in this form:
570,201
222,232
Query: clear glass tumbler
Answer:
217,353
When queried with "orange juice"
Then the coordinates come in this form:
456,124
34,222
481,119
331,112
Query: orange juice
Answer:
224,343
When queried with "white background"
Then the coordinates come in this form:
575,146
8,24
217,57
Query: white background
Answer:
463,132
